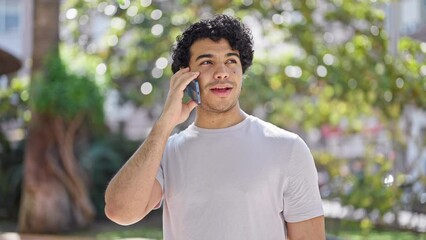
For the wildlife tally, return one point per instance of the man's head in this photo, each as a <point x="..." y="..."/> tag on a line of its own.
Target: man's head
<point x="219" y="27"/>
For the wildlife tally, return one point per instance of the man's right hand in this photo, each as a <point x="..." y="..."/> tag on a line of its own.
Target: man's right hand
<point x="175" y="111"/>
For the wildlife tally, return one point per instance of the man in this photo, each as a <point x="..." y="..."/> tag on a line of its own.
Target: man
<point x="229" y="175"/>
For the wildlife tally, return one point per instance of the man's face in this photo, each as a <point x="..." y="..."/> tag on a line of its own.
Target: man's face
<point x="220" y="76"/>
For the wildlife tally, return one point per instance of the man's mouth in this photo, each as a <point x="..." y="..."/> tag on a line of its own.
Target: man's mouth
<point x="221" y="91"/>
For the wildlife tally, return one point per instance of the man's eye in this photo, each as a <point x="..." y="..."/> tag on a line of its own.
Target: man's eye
<point x="206" y="63"/>
<point x="231" y="61"/>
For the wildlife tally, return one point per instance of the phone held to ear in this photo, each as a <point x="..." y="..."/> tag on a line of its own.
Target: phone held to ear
<point x="193" y="91"/>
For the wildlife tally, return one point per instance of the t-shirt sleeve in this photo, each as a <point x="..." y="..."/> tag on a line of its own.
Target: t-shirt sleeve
<point x="302" y="200"/>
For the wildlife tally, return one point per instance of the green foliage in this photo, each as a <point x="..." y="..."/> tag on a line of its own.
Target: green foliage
<point x="56" y="92"/>
<point x="13" y="111"/>
<point x="11" y="163"/>
<point x="14" y="99"/>
<point x="368" y="189"/>
<point x="101" y="161"/>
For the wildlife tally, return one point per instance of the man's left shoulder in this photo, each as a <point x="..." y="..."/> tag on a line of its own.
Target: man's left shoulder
<point x="271" y="130"/>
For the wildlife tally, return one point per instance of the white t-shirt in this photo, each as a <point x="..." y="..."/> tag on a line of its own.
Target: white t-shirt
<point x="240" y="182"/>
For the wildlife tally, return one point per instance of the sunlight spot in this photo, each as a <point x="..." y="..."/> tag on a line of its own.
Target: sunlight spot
<point x="118" y="23"/>
<point x="157" y="73"/>
<point x="388" y="96"/>
<point x="229" y="11"/>
<point x="179" y="20"/>
<point x="112" y="40"/>
<point x="101" y="6"/>
<point x="423" y="46"/>
<point x="423" y="70"/>
<point x="374" y="30"/>
<point x="138" y="19"/>
<point x="321" y="71"/>
<point x="125" y="5"/>
<point x="286" y="17"/>
<point x="247" y="2"/>
<point x="278" y="19"/>
<point x="399" y="82"/>
<point x="388" y="181"/>
<point x="293" y="71"/>
<point x="161" y="63"/>
<point x="146" y="88"/>
<point x="156" y="14"/>
<point x="101" y="69"/>
<point x="146" y="3"/>
<point x="157" y="29"/>
<point x="71" y="13"/>
<point x="110" y="10"/>
<point x="328" y="59"/>
<point x="132" y="11"/>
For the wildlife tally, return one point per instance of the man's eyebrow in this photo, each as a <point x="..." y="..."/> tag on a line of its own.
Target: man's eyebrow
<point x="233" y="54"/>
<point x="209" y="55"/>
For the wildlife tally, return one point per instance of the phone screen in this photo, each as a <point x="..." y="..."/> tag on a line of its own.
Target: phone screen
<point x="193" y="91"/>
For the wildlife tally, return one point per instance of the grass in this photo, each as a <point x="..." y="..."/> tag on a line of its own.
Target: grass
<point x="343" y="234"/>
<point x="146" y="233"/>
<point x="346" y="230"/>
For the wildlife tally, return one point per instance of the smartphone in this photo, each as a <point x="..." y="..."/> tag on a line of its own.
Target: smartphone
<point x="193" y="91"/>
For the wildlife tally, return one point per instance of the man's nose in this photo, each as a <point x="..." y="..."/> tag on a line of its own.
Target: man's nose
<point x="221" y="72"/>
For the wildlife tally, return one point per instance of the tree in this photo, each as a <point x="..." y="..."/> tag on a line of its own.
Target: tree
<point x="54" y="194"/>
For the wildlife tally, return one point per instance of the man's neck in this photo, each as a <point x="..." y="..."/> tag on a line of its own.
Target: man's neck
<point x="214" y="120"/>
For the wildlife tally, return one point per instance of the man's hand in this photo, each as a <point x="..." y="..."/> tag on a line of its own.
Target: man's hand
<point x="175" y="111"/>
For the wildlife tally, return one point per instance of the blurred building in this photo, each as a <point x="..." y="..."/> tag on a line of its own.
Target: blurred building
<point x="16" y="30"/>
<point x="405" y="18"/>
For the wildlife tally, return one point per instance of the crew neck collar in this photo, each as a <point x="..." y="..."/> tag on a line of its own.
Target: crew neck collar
<point x="235" y="127"/>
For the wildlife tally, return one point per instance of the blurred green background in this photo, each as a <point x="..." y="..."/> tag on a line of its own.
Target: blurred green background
<point x="348" y="76"/>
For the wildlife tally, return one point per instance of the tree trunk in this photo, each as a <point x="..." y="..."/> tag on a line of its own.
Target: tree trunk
<point x="54" y="195"/>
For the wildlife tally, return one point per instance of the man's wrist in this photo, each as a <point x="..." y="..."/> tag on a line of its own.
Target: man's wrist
<point x="163" y="126"/>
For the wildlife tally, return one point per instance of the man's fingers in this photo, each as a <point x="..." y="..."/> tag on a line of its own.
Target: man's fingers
<point x="182" y="78"/>
<point x="190" y="105"/>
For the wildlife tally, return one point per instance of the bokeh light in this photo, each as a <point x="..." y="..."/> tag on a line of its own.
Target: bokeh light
<point x="157" y="29"/>
<point x="156" y="14"/>
<point x="146" y="3"/>
<point x="321" y="71"/>
<point x="71" y="13"/>
<point x="146" y="88"/>
<point x="110" y="10"/>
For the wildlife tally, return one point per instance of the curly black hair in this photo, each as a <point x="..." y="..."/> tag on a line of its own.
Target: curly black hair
<point x="221" y="26"/>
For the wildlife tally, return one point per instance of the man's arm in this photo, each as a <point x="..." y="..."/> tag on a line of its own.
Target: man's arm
<point x="134" y="191"/>
<point x="312" y="229"/>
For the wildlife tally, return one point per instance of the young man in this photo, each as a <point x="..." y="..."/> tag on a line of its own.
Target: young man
<point x="229" y="175"/>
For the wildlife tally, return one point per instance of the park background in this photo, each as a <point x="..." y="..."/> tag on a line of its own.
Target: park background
<point x="82" y="82"/>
